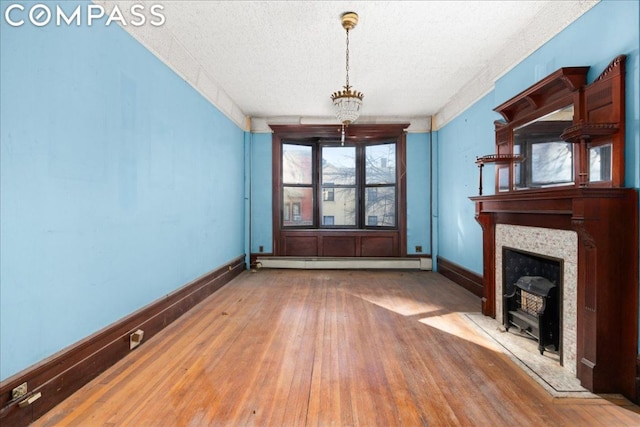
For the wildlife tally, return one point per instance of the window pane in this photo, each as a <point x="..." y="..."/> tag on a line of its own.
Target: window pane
<point x="296" y="164"/>
<point x="339" y="165"/>
<point x="297" y="206"/>
<point x="342" y="209"/>
<point x="381" y="164"/>
<point x="380" y="202"/>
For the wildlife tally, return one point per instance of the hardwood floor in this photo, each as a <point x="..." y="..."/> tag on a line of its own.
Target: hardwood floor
<point x="326" y="348"/>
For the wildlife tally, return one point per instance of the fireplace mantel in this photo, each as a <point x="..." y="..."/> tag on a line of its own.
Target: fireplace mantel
<point x="606" y="222"/>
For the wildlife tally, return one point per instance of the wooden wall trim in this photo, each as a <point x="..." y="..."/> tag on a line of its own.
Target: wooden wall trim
<point x="60" y="375"/>
<point x="460" y="275"/>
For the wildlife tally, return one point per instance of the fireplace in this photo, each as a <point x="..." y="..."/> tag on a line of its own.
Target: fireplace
<point x="532" y="296"/>
<point x="594" y="232"/>
<point x="590" y="221"/>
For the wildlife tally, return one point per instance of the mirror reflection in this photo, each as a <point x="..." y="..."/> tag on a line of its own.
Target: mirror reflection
<point x="600" y="163"/>
<point x="548" y="160"/>
<point x="503" y="179"/>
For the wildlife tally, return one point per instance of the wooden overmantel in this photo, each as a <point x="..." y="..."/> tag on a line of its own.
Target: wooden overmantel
<point x="606" y="222"/>
<point x="596" y="206"/>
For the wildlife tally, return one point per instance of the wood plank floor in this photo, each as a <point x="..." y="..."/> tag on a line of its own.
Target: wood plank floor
<point x="326" y="348"/>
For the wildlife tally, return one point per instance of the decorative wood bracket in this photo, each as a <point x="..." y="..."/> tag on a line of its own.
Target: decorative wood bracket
<point x="617" y="64"/>
<point x="588" y="131"/>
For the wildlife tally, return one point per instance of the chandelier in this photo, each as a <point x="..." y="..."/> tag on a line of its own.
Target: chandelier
<point x="347" y="102"/>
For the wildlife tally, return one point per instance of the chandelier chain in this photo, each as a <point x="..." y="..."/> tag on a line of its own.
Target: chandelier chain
<point x="347" y="61"/>
<point x="347" y="102"/>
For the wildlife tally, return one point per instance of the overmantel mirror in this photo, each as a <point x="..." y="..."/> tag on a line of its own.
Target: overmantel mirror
<point x="562" y="133"/>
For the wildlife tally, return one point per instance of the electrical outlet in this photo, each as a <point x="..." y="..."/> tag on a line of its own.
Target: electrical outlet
<point x="261" y="249"/>
<point x="418" y="248"/>
<point x="19" y="391"/>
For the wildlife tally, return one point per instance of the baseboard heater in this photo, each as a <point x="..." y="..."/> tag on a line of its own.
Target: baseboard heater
<point x="350" y="263"/>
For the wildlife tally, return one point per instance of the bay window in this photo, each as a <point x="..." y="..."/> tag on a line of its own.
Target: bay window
<point x="339" y="200"/>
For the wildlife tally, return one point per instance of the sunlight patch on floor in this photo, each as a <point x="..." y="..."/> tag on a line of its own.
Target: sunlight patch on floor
<point x="452" y="323"/>
<point x="400" y="305"/>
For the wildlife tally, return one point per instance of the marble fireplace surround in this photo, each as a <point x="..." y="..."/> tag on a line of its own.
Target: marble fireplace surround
<point x="562" y="244"/>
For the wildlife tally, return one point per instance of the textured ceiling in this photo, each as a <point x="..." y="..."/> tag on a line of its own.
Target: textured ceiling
<point x="281" y="60"/>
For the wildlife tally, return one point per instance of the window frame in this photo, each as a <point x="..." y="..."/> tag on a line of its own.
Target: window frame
<point x="368" y="240"/>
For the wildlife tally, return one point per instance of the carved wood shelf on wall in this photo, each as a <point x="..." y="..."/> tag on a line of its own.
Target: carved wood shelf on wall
<point x="588" y="131"/>
<point x="547" y="92"/>
<point x="497" y="159"/>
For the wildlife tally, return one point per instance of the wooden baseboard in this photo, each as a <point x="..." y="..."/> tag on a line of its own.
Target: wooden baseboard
<point x="463" y="277"/>
<point x="60" y="375"/>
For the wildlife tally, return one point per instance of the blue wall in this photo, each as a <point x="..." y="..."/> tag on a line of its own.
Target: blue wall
<point x="418" y="192"/>
<point x="470" y="135"/>
<point x="119" y="184"/>
<point x="610" y="28"/>
<point x="261" y="200"/>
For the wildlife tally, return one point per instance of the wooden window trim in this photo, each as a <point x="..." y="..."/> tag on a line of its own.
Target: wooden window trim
<point x="356" y="133"/>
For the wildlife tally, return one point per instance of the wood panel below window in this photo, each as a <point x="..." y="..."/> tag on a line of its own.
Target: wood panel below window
<point x="340" y="243"/>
